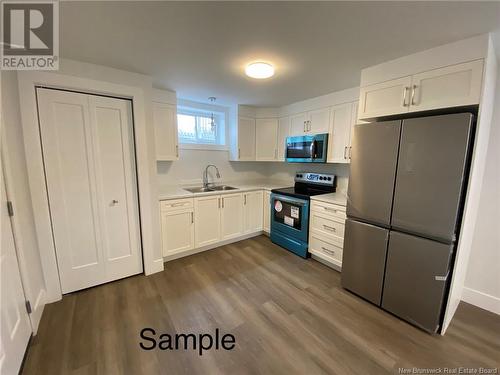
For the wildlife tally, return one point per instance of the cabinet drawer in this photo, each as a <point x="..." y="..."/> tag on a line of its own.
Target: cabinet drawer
<point x="176" y="204"/>
<point x="328" y="225"/>
<point x="334" y="210"/>
<point x="326" y="248"/>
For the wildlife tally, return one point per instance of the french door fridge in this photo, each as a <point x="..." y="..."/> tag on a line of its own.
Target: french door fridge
<point x="405" y="194"/>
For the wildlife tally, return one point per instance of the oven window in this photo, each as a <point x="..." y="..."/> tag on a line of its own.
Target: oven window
<point x="287" y="213"/>
<point x="299" y="150"/>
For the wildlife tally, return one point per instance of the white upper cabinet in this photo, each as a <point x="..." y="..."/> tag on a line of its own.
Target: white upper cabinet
<point x="384" y="99"/>
<point x="312" y="122"/>
<point x="340" y="133"/>
<point x="231" y="215"/>
<point x="165" y="126"/>
<point x="246" y="139"/>
<point x="452" y="86"/>
<point x="318" y="121"/>
<point x="298" y="124"/>
<point x="266" y="139"/>
<point x="283" y="132"/>
<point x="252" y="209"/>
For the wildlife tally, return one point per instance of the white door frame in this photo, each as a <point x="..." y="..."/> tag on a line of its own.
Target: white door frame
<point x="145" y="156"/>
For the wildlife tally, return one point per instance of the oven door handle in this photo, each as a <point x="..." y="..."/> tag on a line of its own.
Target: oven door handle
<point x="284" y="198"/>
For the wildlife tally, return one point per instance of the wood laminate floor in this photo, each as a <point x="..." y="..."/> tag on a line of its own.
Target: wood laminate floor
<point x="289" y="316"/>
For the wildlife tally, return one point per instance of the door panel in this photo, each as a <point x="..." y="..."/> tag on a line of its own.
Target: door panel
<point x="252" y="204"/>
<point x="319" y="121"/>
<point x="363" y="264"/>
<point x="297" y="124"/>
<point x="88" y="149"/>
<point x="207" y="220"/>
<point x="266" y="139"/>
<point x="246" y="138"/>
<point x="71" y="182"/>
<point x="384" y="99"/>
<point x="15" y="326"/>
<point x="415" y="279"/>
<point x="451" y="86"/>
<point x="372" y="173"/>
<point x="117" y="188"/>
<point x="231" y="216"/>
<point x="165" y="124"/>
<point x="341" y="127"/>
<point x="177" y="228"/>
<point x="430" y="175"/>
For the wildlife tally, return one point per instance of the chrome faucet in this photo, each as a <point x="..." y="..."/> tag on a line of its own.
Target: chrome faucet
<point x="205" y="174"/>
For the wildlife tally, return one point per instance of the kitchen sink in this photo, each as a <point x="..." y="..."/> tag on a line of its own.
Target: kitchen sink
<point x="201" y="189"/>
<point x="222" y="187"/>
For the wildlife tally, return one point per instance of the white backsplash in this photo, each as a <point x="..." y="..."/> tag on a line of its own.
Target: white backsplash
<point x="189" y="168"/>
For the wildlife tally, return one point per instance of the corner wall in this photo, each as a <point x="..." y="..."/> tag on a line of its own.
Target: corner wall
<point x="482" y="284"/>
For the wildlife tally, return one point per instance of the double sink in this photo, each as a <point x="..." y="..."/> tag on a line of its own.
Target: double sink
<point x="203" y="189"/>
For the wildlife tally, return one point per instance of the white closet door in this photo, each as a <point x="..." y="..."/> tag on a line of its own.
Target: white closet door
<point x="16" y="329"/>
<point x="66" y="139"/>
<point x="89" y="161"/>
<point x="113" y="147"/>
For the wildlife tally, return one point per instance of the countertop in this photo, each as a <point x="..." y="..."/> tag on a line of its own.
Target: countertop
<point x="335" y="198"/>
<point x="175" y="191"/>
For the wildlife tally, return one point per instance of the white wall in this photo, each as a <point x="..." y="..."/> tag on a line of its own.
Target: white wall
<point x="19" y="193"/>
<point x="189" y="168"/>
<point x="482" y="284"/>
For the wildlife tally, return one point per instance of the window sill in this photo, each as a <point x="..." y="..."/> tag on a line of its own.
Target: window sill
<point x="189" y="146"/>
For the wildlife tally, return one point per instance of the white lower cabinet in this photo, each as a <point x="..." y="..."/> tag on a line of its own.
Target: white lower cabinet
<point x="326" y="234"/>
<point x="267" y="211"/>
<point x="207" y="220"/>
<point x="252" y="211"/>
<point x="231" y="216"/>
<point x="177" y="231"/>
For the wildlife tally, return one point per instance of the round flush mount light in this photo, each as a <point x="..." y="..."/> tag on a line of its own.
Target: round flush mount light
<point x="259" y="70"/>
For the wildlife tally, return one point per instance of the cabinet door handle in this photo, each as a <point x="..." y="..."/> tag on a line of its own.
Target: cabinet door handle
<point x="218" y="202"/>
<point x="350" y="152"/>
<point x="327" y="227"/>
<point x="239" y="153"/>
<point x="177" y="150"/>
<point x="222" y="202"/>
<point x="192" y="217"/>
<point x="345" y="152"/>
<point x="414" y="89"/>
<point x="245" y="199"/>
<point x="305" y="126"/>
<point x="405" y="94"/>
<point x="328" y="250"/>
<point x="330" y="209"/>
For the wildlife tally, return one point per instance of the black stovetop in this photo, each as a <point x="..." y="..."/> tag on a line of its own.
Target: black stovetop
<point x="304" y="191"/>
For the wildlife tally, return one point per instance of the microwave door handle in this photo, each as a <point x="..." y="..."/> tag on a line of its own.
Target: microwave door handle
<point x="313" y="149"/>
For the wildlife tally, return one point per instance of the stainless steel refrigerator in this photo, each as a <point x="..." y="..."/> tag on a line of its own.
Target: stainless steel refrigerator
<point x="405" y="195"/>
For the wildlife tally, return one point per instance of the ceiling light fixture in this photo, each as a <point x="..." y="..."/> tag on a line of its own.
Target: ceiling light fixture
<point x="259" y="70"/>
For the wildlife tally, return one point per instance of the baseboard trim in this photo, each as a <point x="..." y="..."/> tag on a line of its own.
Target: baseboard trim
<point x="482" y="300"/>
<point x="186" y="253"/>
<point x="327" y="263"/>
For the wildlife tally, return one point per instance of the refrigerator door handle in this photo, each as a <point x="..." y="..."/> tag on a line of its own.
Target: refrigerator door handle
<point x="442" y="278"/>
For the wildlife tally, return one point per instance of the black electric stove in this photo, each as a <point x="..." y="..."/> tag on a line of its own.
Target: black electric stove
<point x="309" y="184"/>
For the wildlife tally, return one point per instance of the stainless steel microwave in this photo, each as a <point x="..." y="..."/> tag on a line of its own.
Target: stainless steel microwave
<point x="306" y="148"/>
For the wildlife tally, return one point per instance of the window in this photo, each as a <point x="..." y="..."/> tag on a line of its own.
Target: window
<point x="199" y="125"/>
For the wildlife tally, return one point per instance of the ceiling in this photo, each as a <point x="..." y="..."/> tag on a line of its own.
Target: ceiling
<point x="200" y="49"/>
